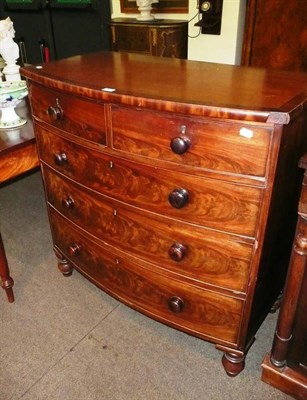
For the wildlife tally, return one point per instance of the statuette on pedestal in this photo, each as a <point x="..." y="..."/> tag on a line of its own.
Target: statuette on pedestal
<point x="145" y="7"/>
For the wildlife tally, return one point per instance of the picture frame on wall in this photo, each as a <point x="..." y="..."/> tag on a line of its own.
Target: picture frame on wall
<point x="164" y="6"/>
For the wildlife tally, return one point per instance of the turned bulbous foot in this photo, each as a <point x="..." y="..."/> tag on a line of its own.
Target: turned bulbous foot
<point x="233" y="363"/>
<point x="65" y="267"/>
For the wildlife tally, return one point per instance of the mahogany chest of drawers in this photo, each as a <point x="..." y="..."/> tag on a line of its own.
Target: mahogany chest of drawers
<point x="172" y="185"/>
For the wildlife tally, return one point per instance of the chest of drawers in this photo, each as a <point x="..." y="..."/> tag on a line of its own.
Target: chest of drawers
<point x="175" y="195"/>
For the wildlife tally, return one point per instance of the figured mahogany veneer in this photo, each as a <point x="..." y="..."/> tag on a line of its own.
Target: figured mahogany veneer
<point x="204" y="313"/>
<point x="172" y="193"/>
<point x="140" y="185"/>
<point x="208" y="148"/>
<point x="82" y="118"/>
<point x="210" y="258"/>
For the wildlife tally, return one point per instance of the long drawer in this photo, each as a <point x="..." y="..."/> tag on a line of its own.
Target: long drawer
<point x="232" y="147"/>
<point x="218" y="205"/>
<point x="71" y="114"/>
<point x="197" y="311"/>
<point x="192" y="252"/>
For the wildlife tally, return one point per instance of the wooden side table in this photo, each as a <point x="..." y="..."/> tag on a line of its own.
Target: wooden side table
<point x="164" y="38"/>
<point x="17" y="156"/>
<point x="286" y="366"/>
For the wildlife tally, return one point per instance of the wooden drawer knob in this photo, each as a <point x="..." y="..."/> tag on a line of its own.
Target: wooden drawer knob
<point x="177" y="252"/>
<point x="180" y="145"/>
<point x="74" y="249"/>
<point x="60" y="158"/>
<point x="68" y="202"/>
<point x="55" y="112"/>
<point x="178" y="198"/>
<point x="176" y="304"/>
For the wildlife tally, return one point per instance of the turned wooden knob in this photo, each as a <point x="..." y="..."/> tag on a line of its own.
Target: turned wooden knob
<point x="55" y="112"/>
<point x="68" y="202"/>
<point x="60" y="158"/>
<point x="180" y="145"/>
<point x="177" y="251"/>
<point x="74" y="249"/>
<point x="176" y="304"/>
<point x="178" y="198"/>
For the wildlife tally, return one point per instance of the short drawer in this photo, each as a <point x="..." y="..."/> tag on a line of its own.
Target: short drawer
<point x="81" y="118"/>
<point x="195" y="310"/>
<point x="192" y="252"/>
<point x="219" y="205"/>
<point x="232" y="147"/>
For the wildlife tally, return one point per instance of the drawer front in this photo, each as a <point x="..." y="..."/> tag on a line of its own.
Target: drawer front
<point x="204" y="143"/>
<point x="219" y="205"/>
<point x="192" y="252"/>
<point x="81" y="118"/>
<point x="195" y="310"/>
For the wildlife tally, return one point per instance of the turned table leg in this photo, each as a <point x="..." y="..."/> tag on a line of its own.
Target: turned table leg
<point x="285" y="323"/>
<point x="6" y="281"/>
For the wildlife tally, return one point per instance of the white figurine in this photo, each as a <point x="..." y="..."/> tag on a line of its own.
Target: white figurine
<point x="145" y="8"/>
<point x="9" y="50"/>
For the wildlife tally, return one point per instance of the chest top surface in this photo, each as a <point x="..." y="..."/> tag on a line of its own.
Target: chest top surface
<point x="199" y="88"/>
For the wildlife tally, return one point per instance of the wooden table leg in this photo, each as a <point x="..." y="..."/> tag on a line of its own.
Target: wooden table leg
<point x="5" y="280"/>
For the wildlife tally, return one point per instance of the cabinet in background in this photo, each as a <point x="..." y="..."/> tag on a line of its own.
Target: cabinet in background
<point x="164" y="38"/>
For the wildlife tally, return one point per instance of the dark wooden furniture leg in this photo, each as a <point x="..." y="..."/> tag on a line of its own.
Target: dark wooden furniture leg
<point x="285" y="367"/>
<point x="63" y="265"/>
<point x="6" y="281"/>
<point x="285" y="323"/>
<point x="18" y="155"/>
<point x="233" y="363"/>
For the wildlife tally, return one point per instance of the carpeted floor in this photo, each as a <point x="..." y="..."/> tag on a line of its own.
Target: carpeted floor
<point x="64" y="339"/>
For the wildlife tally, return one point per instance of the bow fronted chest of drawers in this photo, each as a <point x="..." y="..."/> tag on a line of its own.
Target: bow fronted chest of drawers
<point x="172" y="185"/>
